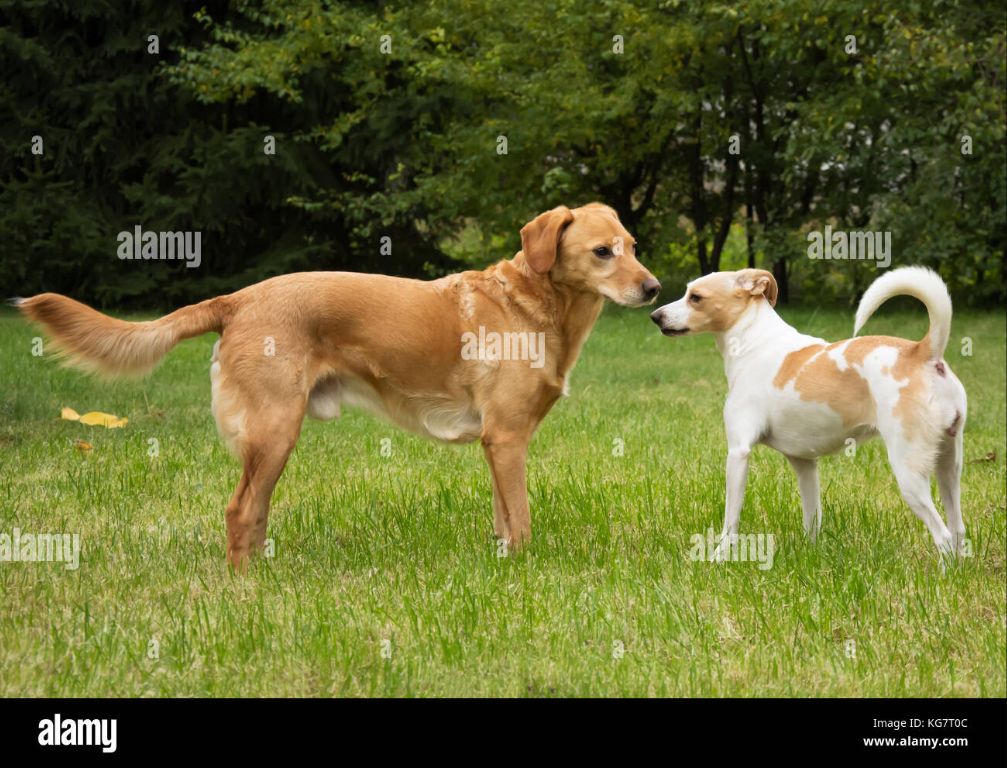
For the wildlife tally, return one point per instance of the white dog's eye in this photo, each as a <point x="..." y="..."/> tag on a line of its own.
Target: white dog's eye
<point x="695" y="298"/>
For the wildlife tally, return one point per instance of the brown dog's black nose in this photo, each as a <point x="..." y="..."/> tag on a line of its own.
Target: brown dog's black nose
<point x="650" y="288"/>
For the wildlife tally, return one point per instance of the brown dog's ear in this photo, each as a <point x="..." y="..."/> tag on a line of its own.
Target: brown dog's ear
<point x="759" y="282"/>
<point x="540" y="238"/>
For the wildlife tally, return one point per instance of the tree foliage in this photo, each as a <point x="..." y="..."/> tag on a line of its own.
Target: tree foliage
<point x="722" y="133"/>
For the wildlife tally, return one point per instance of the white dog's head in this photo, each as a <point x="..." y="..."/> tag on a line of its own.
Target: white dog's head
<point x="715" y="302"/>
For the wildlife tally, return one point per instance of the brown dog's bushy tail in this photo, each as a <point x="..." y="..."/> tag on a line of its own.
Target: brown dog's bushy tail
<point x="110" y="348"/>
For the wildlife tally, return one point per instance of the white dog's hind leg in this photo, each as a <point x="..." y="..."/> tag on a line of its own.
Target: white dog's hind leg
<point x="811" y="500"/>
<point x="949" y="475"/>
<point x="916" y="491"/>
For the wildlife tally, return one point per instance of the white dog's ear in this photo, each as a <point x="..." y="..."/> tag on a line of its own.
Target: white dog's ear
<point x="540" y="237"/>
<point x="759" y="282"/>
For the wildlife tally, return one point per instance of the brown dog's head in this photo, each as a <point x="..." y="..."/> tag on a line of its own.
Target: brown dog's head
<point x="715" y="302"/>
<point x="588" y="249"/>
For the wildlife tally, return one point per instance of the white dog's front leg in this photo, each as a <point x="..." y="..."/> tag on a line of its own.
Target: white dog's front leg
<point x="737" y="478"/>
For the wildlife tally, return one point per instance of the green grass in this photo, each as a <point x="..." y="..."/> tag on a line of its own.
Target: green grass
<point x="371" y="549"/>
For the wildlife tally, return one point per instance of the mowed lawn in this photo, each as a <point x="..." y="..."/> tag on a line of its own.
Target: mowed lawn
<point x="386" y="579"/>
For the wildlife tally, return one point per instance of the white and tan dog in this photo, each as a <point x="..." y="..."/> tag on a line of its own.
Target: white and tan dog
<point x="806" y="397"/>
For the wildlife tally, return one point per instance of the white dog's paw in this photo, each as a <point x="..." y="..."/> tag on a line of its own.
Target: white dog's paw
<point x="963" y="546"/>
<point x="723" y="551"/>
<point x="947" y="556"/>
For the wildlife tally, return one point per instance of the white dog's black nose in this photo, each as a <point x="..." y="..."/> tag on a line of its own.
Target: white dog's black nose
<point x="650" y="288"/>
<point x="656" y="316"/>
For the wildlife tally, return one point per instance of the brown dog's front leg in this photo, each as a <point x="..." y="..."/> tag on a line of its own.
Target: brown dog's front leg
<point x="506" y="455"/>
<point x="501" y="525"/>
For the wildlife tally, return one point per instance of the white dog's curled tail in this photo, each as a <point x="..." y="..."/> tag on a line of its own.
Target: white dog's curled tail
<point x="920" y="283"/>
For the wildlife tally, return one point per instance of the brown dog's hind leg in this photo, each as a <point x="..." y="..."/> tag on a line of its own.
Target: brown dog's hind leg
<point x="238" y="543"/>
<point x="260" y="395"/>
<point x="264" y="453"/>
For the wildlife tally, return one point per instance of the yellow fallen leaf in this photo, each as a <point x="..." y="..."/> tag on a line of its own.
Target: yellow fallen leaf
<point x="83" y="445"/>
<point x="95" y="418"/>
<point x="99" y="419"/>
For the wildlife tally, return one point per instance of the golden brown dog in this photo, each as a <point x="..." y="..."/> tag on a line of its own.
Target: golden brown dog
<point x="312" y="341"/>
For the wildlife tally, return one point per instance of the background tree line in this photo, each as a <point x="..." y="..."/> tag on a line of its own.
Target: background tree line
<point x="721" y="132"/>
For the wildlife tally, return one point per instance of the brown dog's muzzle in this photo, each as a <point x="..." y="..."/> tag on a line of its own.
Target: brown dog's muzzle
<point x="650" y="288"/>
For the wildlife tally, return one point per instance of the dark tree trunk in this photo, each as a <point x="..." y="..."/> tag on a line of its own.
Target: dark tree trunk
<point x="782" y="283"/>
<point x="730" y="183"/>
<point x="704" y="262"/>
<point x="697" y="206"/>
<point x="749" y="221"/>
<point x="727" y="215"/>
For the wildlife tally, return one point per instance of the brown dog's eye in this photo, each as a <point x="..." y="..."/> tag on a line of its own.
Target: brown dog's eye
<point x="603" y="252"/>
<point x="695" y="298"/>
